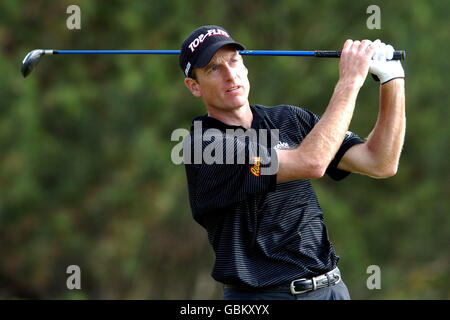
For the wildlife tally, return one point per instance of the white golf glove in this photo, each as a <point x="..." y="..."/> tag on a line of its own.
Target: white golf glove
<point x="382" y="67"/>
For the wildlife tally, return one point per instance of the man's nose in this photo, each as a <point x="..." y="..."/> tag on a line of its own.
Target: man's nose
<point x="230" y="73"/>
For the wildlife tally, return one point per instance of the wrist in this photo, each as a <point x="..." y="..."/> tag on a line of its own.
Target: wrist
<point x="393" y="82"/>
<point x="348" y="85"/>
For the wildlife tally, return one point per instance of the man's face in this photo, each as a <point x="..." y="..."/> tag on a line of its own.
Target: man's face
<point x="223" y="84"/>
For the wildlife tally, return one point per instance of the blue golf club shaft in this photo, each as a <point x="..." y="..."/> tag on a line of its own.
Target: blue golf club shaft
<point x="398" y="55"/>
<point x="243" y="52"/>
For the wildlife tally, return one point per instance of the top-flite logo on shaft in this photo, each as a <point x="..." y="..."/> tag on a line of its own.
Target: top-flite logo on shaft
<point x="211" y="32"/>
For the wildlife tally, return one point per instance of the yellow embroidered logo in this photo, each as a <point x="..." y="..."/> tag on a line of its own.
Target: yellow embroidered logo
<point x="255" y="169"/>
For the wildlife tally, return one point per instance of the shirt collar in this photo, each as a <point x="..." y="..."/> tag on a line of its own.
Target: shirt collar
<point x="210" y="122"/>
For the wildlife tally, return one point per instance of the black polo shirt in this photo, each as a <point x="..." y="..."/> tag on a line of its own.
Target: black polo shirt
<point x="263" y="233"/>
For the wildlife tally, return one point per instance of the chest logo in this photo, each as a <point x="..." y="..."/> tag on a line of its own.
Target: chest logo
<point x="256" y="168"/>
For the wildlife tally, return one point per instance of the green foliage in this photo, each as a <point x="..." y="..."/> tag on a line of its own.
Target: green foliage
<point x="86" y="175"/>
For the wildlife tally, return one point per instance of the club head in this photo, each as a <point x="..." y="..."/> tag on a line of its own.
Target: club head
<point x="31" y="60"/>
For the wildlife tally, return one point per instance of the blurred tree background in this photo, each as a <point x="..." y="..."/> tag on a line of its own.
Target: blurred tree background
<point x="86" y="176"/>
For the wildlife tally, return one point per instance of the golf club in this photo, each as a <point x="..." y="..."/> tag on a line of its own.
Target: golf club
<point x="33" y="57"/>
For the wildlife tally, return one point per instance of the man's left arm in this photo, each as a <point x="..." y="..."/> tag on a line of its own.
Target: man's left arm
<point x="379" y="156"/>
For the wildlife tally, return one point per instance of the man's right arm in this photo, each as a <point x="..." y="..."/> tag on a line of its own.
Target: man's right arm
<point x="317" y="150"/>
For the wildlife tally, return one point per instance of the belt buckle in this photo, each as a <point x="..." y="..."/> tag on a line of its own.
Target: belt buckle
<point x="335" y="275"/>
<point x="292" y="287"/>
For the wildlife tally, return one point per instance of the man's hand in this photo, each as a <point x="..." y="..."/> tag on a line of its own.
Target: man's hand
<point x="355" y="61"/>
<point x="382" y="67"/>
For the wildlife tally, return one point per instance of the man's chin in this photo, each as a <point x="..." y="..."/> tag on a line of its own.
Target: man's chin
<point x="237" y="102"/>
<point x="237" y="105"/>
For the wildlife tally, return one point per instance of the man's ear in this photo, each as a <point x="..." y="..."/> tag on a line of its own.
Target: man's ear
<point x="193" y="86"/>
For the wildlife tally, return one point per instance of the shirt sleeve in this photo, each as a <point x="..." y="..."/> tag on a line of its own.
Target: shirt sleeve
<point x="226" y="171"/>
<point x="307" y="121"/>
<point x="350" y="140"/>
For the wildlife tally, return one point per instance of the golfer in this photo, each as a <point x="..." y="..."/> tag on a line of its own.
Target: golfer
<point x="255" y="199"/>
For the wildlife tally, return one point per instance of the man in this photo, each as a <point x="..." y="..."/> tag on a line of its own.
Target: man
<point x="266" y="228"/>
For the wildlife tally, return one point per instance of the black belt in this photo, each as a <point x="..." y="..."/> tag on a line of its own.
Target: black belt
<point x="299" y="286"/>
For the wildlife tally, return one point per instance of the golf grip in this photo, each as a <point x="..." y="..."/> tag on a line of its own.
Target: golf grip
<point x="398" y="54"/>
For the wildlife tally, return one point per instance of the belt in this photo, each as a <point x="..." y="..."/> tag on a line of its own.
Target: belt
<point x="299" y="286"/>
<point x="325" y="280"/>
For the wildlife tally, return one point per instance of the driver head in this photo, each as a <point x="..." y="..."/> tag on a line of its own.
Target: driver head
<point x="31" y="60"/>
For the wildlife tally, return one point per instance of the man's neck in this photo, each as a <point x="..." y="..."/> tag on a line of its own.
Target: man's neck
<point x="242" y="116"/>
